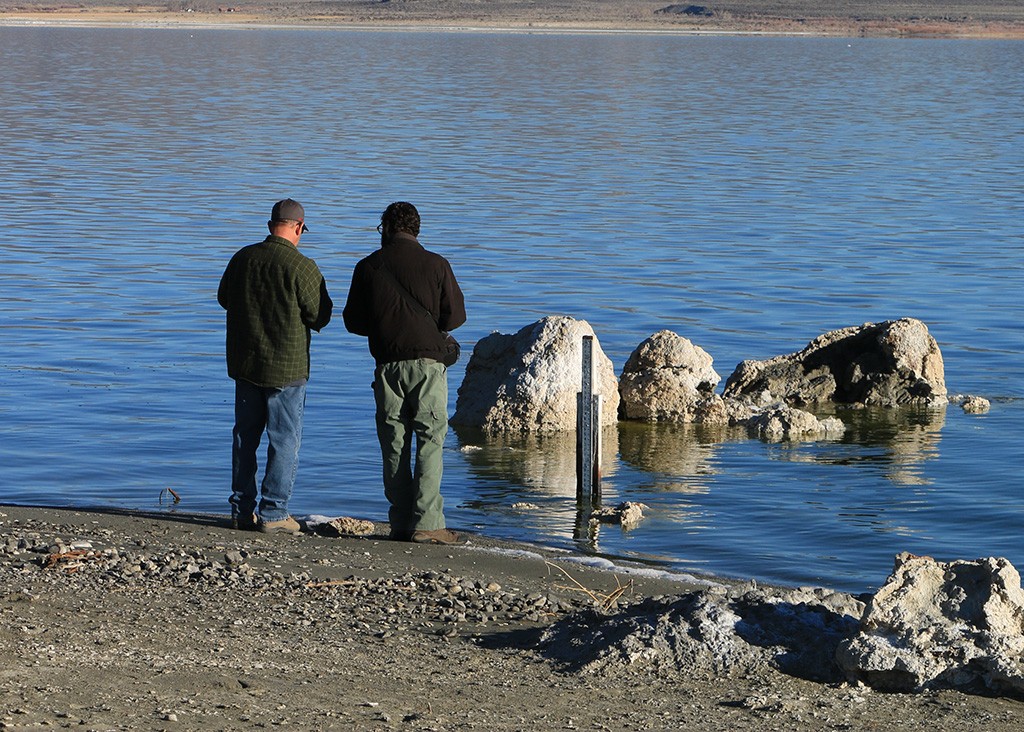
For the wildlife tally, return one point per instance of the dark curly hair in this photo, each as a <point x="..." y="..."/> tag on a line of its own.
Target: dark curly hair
<point x="401" y="216"/>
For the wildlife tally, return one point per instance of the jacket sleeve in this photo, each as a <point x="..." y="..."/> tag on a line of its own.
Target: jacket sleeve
<point x="224" y="289"/>
<point x="357" y="307"/>
<point x="320" y="316"/>
<point x="453" y="305"/>
<point x="315" y="302"/>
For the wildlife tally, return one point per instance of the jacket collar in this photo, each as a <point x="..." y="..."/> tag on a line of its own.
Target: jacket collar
<point x="271" y="239"/>
<point x="400" y="238"/>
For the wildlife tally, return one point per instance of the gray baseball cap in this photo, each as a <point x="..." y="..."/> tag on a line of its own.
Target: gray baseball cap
<point x="289" y="210"/>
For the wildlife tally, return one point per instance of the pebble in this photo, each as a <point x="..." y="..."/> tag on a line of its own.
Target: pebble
<point x="429" y="596"/>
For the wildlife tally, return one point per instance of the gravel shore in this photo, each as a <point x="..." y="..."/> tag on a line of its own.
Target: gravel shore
<point x="127" y="620"/>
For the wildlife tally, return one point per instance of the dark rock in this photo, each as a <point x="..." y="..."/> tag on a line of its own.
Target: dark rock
<point x="700" y="11"/>
<point x="876" y="364"/>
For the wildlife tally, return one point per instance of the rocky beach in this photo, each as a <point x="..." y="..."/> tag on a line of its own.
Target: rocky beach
<point x="130" y="620"/>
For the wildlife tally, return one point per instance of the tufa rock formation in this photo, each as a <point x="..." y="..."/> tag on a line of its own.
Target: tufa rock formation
<point x="528" y="382"/>
<point x="779" y="423"/>
<point x="970" y="403"/>
<point x="343" y="526"/>
<point x="668" y="379"/>
<point x="716" y="631"/>
<point x="877" y="364"/>
<point x="627" y="514"/>
<point x="941" y="625"/>
<point x="932" y="625"/>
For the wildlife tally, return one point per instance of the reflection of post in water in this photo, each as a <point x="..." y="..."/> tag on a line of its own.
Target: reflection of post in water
<point x="588" y="450"/>
<point x="588" y="432"/>
<point x="586" y="531"/>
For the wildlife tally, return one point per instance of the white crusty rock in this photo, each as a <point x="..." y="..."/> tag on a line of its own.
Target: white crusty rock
<point x="669" y="379"/>
<point x="716" y="630"/>
<point x="628" y="514"/>
<point x="779" y="423"/>
<point x="876" y="364"/>
<point x="529" y="381"/>
<point x="970" y="403"/>
<point x="940" y="625"/>
<point x="976" y="405"/>
<point x="344" y="526"/>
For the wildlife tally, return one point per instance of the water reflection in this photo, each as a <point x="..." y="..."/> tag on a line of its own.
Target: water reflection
<point x="689" y="477"/>
<point x="532" y="478"/>
<point x="544" y="463"/>
<point x="682" y="456"/>
<point x="113" y="352"/>
<point x="898" y="441"/>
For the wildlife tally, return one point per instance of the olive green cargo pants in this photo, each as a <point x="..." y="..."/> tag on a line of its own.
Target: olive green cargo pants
<point x="412" y="400"/>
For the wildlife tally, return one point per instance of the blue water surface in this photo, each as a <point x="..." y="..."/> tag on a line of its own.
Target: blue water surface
<point x="746" y="193"/>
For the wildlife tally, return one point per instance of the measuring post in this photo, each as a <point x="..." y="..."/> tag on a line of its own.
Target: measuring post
<point x="588" y="425"/>
<point x="595" y="480"/>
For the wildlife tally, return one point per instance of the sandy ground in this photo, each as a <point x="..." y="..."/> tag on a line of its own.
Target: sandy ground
<point x="129" y="621"/>
<point x="910" y="18"/>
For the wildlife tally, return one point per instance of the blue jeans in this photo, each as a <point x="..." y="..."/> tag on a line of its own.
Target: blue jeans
<point x="278" y="411"/>
<point x="412" y="402"/>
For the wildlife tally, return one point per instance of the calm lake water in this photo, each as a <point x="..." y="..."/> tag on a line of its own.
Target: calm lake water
<point x="746" y="193"/>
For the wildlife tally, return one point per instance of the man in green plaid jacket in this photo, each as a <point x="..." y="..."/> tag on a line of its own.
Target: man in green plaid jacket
<point x="274" y="296"/>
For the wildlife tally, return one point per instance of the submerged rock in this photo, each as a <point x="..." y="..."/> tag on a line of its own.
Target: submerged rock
<point x="786" y="423"/>
<point x="628" y="514"/>
<point x="976" y="405"/>
<point x="970" y="403"/>
<point x="528" y="382"/>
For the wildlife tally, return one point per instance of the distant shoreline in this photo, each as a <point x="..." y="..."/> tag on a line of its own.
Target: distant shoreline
<point x="508" y="22"/>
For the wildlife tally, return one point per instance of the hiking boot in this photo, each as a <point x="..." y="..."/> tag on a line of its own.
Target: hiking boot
<point x="287" y="525"/>
<point x="438" y="536"/>
<point x="400" y="535"/>
<point x="244" y="523"/>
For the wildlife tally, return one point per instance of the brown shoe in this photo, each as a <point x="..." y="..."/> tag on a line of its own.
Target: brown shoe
<point x="286" y="525"/>
<point x="438" y="536"/>
<point x="244" y="523"/>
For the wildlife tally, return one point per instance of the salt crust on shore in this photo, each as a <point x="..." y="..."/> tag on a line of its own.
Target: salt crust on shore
<point x="195" y="626"/>
<point x="950" y="20"/>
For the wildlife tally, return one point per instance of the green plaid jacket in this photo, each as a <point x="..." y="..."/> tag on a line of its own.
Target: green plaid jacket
<point x="274" y="295"/>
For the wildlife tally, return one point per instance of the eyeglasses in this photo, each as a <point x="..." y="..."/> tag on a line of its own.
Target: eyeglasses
<point x="380" y="228"/>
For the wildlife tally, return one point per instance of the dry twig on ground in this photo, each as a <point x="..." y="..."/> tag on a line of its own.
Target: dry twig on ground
<point x="604" y="601"/>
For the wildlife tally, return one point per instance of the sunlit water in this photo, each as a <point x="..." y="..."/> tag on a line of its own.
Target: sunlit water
<point x="746" y="193"/>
